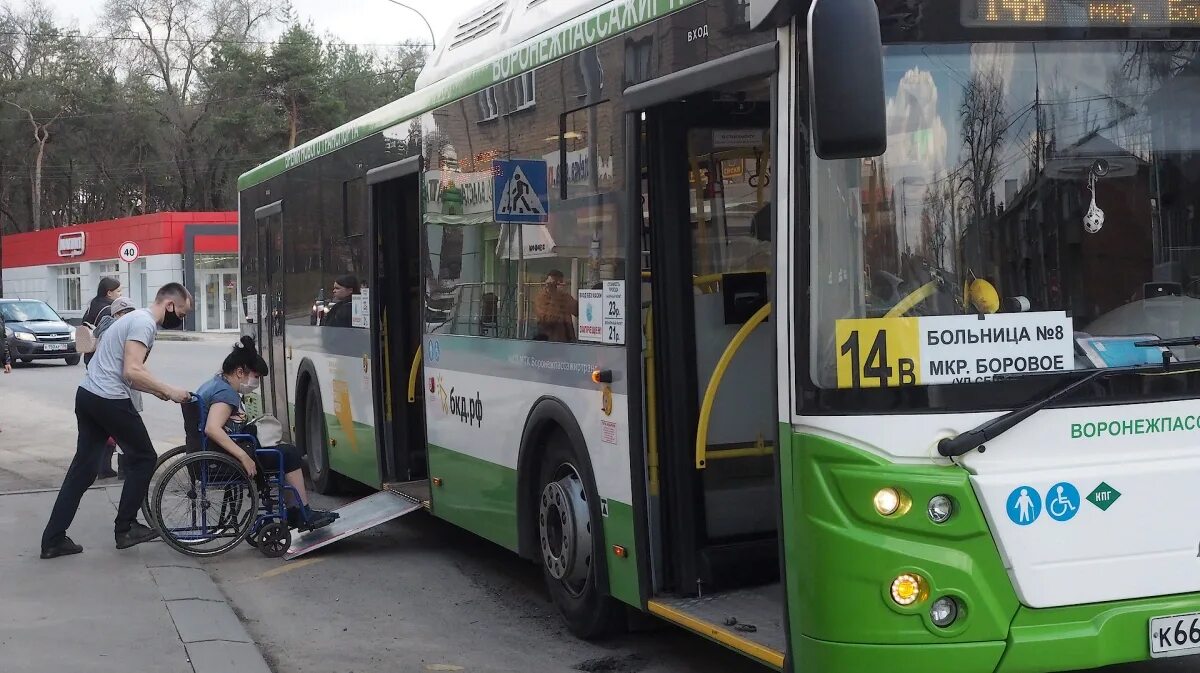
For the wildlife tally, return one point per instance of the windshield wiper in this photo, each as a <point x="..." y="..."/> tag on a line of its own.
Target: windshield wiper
<point x="41" y="320"/>
<point x="1170" y="343"/>
<point x="952" y="447"/>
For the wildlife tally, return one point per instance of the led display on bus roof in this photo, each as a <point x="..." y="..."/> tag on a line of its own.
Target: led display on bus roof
<point x="1081" y="13"/>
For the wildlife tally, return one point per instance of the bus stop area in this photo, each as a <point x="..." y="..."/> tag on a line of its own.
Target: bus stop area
<point x="146" y="608"/>
<point x="415" y="594"/>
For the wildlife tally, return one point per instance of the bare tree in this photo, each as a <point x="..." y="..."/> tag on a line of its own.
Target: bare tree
<point x="169" y="43"/>
<point x="41" y="136"/>
<point x="983" y="128"/>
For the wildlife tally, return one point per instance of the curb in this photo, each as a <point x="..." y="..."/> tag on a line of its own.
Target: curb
<point x="214" y="637"/>
<point x="172" y="335"/>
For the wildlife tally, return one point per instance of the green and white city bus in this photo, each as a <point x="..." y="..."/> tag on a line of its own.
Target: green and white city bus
<point x="853" y="335"/>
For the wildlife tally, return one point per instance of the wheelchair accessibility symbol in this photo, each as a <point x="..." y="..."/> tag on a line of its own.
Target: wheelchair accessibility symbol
<point x="1062" y="502"/>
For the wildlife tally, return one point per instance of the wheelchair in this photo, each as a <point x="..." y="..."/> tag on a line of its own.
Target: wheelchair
<point x="203" y="503"/>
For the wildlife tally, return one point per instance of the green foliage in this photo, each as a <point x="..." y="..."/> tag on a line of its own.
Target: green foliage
<point x="166" y="104"/>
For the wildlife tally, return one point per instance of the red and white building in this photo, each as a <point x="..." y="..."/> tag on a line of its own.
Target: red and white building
<point x="63" y="266"/>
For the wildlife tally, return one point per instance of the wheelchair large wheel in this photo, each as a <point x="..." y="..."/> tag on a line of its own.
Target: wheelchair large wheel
<point x="204" y="504"/>
<point x="166" y="458"/>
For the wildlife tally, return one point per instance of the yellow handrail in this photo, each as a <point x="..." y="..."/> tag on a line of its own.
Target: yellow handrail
<point x="751" y="452"/>
<point x="651" y="406"/>
<point x="710" y="277"/>
<point x="915" y="297"/>
<point x="714" y="382"/>
<point x="412" y="376"/>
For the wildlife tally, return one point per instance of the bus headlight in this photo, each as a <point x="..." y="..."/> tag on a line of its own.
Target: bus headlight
<point x="887" y="501"/>
<point x="906" y="589"/>
<point x="940" y="509"/>
<point x="944" y="612"/>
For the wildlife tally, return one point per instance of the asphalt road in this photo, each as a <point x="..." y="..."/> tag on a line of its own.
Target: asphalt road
<point x="415" y="594"/>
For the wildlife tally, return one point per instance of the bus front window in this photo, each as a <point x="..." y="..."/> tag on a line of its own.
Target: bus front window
<point x="1031" y="184"/>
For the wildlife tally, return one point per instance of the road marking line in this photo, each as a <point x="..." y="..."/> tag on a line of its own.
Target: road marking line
<point x="286" y="569"/>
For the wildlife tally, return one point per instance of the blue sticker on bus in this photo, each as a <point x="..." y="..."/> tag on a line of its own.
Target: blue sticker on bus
<point x="1024" y="505"/>
<point x="521" y="193"/>
<point x="1062" y="501"/>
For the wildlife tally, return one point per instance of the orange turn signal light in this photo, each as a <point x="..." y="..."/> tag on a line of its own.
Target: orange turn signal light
<point x="619" y="551"/>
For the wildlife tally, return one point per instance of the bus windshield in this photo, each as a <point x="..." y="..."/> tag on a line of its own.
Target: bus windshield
<point x="1036" y="210"/>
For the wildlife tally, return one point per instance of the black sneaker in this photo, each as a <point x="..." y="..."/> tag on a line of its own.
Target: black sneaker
<point x="319" y="519"/>
<point x="136" y="534"/>
<point x="64" y="547"/>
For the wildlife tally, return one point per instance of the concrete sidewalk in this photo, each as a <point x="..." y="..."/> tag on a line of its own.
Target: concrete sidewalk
<point x="147" y="608"/>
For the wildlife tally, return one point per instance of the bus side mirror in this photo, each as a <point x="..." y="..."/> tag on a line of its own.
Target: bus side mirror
<point x="845" y="69"/>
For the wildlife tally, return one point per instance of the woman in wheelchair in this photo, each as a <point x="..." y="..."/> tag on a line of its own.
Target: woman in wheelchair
<point x="240" y="373"/>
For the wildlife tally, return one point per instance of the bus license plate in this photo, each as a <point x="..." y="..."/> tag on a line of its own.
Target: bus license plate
<point x="54" y="347"/>
<point x="1175" y="636"/>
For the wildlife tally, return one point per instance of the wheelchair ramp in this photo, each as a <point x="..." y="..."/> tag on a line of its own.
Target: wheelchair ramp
<point x="356" y="517"/>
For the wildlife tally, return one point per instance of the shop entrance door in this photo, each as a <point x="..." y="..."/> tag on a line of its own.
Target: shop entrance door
<point x="218" y="312"/>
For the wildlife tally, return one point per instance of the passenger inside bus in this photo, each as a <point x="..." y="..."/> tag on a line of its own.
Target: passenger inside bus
<point x="339" y="313"/>
<point x="240" y="373"/>
<point x="555" y="309"/>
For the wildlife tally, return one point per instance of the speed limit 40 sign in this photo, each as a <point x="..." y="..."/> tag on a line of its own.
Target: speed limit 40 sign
<point x="129" y="252"/>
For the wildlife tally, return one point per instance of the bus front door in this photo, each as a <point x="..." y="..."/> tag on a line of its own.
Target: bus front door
<point x="712" y="393"/>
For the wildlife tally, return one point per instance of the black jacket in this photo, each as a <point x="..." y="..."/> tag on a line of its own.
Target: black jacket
<point x="96" y="310"/>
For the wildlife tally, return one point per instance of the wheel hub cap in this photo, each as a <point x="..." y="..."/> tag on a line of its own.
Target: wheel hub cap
<point x="564" y="528"/>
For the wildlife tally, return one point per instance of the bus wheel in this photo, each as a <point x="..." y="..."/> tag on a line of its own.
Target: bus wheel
<point x="316" y="445"/>
<point x="568" y="548"/>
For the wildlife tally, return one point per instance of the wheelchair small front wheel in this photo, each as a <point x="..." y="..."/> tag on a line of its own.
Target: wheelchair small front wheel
<point x="274" y="539"/>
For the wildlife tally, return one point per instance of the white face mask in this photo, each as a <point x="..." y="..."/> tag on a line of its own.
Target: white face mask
<point x="250" y="385"/>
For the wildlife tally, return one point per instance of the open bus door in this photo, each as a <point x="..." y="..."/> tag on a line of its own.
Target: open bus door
<point x="395" y="204"/>
<point x="711" y="355"/>
<point x="271" y="312"/>
<point x="396" y="329"/>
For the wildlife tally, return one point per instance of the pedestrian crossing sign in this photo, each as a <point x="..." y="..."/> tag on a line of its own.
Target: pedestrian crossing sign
<point x="521" y="191"/>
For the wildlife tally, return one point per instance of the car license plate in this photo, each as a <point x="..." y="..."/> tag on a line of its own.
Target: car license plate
<point x="1175" y="636"/>
<point x="54" y="347"/>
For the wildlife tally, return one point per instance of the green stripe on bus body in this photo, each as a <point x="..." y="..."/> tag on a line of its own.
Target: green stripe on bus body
<point x="481" y="497"/>
<point x="475" y="495"/>
<point x="622" y="572"/>
<point x="353" y="454"/>
<point x="841" y="553"/>
<point x="1088" y="636"/>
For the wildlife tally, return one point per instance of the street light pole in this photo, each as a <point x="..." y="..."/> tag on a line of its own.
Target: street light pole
<point x="432" y="36"/>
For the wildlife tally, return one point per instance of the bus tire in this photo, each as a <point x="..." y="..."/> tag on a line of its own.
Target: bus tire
<point x="316" y="445"/>
<point x="566" y="507"/>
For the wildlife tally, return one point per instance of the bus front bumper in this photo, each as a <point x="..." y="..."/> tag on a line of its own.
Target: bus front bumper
<point x="1040" y="641"/>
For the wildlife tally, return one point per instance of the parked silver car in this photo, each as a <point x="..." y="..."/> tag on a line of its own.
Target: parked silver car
<point x="36" y="332"/>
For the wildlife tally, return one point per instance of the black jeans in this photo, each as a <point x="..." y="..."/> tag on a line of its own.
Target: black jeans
<point x="99" y="419"/>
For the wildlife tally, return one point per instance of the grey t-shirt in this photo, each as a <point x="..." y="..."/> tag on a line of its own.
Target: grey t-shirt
<point x="106" y="372"/>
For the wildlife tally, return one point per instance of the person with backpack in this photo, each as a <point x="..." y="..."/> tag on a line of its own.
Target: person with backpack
<point x="120" y="307"/>
<point x="108" y="291"/>
<point x="104" y="408"/>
